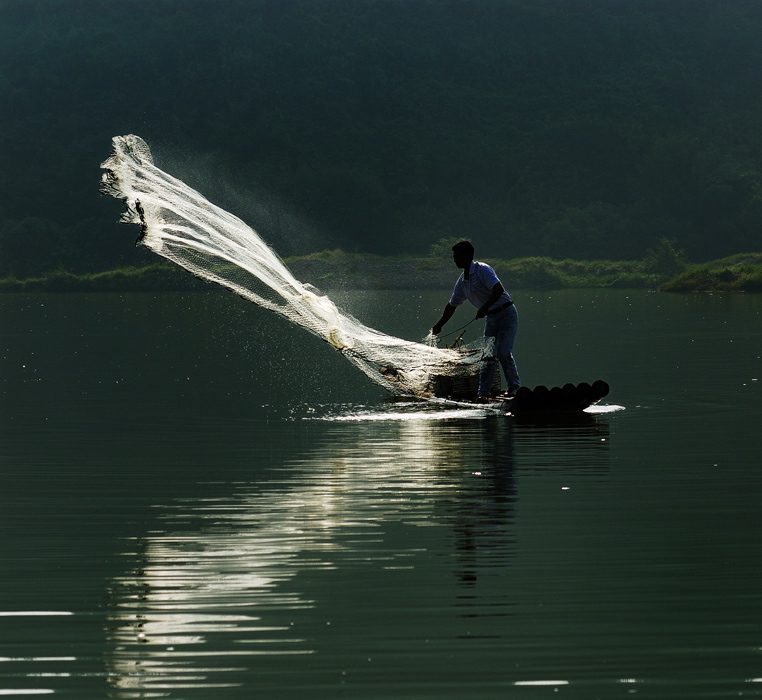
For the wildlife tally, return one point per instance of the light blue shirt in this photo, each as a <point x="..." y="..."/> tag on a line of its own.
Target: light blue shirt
<point x="478" y="287"/>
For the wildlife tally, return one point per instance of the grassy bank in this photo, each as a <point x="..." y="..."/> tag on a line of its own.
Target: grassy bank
<point x="738" y="273"/>
<point x="158" y="277"/>
<point x="337" y="269"/>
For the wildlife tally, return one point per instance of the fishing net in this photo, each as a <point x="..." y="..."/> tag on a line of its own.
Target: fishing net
<point x="179" y="224"/>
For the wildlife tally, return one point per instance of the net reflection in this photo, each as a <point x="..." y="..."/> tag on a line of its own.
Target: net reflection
<point x="228" y="589"/>
<point x="220" y="580"/>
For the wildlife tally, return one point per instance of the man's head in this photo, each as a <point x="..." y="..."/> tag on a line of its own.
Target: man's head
<point x="462" y="254"/>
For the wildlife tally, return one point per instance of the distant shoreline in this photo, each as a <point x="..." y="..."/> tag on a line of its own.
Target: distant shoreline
<point x="330" y="270"/>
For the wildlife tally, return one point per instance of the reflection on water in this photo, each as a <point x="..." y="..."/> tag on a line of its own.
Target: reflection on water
<point x="230" y="584"/>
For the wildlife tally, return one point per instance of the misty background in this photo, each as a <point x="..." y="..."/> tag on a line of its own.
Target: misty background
<point x="561" y="128"/>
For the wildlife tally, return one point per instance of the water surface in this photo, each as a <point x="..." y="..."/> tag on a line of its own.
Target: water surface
<point x="199" y="500"/>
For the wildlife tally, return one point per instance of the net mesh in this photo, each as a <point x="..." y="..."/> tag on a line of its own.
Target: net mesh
<point x="179" y="224"/>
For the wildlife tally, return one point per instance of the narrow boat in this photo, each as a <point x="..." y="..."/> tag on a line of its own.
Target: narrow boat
<point x="569" y="398"/>
<point x="566" y="398"/>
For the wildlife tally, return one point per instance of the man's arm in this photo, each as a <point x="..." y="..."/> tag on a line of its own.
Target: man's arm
<point x="495" y="294"/>
<point x="446" y="316"/>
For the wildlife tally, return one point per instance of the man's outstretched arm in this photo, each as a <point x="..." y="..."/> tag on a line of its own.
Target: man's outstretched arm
<point x="446" y="316"/>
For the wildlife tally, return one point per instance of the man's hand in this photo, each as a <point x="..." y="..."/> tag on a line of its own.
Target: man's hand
<point x="436" y="330"/>
<point x="481" y="312"/>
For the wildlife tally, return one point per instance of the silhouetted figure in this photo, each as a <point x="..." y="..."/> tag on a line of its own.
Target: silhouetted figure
<point x="480" y="285"/>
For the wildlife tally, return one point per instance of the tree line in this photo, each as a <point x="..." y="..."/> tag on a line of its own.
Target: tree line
<point x="564" y="128"/>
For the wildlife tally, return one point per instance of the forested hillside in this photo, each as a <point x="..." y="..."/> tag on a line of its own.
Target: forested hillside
<point x="562" y="128"/>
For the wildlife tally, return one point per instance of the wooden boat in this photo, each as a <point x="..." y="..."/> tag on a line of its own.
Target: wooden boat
<point x="569" y="398"/>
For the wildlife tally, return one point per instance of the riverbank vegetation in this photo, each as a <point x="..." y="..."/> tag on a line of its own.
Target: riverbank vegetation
<point x="737" y="273"/>
<point x="664" y="268"/>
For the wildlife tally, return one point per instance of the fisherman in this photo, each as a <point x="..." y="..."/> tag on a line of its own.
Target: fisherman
<point x="479" y="284"/>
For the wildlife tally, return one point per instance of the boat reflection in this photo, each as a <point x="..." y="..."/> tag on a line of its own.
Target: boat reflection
<point x="575" y="443"/>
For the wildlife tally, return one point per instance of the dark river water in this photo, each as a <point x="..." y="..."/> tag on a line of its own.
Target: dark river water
<point x="198" y="500"/>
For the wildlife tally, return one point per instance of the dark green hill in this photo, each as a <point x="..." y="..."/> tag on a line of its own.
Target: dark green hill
<point x="556" y="128"/>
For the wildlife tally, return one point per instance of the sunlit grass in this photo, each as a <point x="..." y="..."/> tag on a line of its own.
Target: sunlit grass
<point x="336" y="268"/>
<point x="737" y="273"/>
